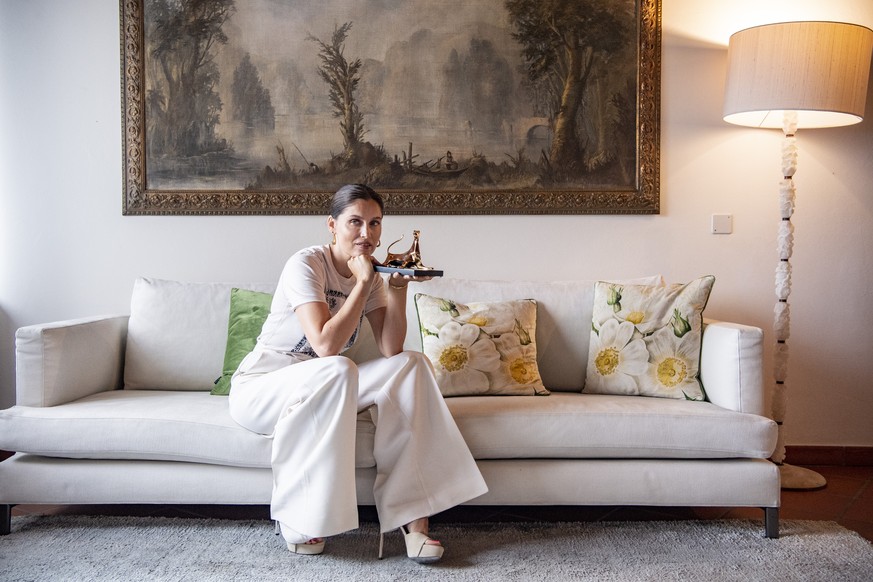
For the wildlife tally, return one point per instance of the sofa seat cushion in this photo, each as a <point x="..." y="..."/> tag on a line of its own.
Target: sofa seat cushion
<point x="148" y="425"/>
<point x="196" y="427"/>
<point x="567" y="425"/>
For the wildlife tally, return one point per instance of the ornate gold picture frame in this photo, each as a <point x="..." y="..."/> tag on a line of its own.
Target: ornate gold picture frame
<point x="475" y="107"/>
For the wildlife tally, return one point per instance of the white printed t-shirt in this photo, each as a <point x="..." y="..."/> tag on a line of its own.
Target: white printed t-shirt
<point x="310" y="276"/>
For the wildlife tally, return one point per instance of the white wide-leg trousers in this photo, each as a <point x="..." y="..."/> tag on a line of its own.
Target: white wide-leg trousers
<point x="423" y="465"/>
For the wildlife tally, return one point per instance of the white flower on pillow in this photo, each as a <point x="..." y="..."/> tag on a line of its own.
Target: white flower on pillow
<point x="461" y="356"/>
<point x="617" y="358"/>
<point x="672" y="369"/>
<point x="495" y="321"/>
<point x="448" y="310"/>
<point x="518" y="364"/>
<point x="642" y="311"/>
<point x="438" y="315"/>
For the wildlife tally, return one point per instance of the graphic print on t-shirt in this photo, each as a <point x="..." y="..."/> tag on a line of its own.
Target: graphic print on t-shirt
<point x="332" y="298"/>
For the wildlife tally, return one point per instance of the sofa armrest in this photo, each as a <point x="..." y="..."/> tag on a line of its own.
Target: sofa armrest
<point x="66" y="360"/>
<point x="731" y="366"/>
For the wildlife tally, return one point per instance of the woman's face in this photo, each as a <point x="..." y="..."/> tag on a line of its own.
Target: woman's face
<point x="358" y="229"/>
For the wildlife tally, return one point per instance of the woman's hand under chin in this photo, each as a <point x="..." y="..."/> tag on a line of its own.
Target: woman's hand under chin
<point x="362" y="268"/>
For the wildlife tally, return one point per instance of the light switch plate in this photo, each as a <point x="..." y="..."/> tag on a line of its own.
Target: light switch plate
<point x="722" y="223"/>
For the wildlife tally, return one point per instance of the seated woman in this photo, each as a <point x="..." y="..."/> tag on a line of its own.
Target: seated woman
<point x="296" y="387"/>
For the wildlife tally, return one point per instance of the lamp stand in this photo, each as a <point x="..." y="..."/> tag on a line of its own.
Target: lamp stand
<point x="791" y="477"/>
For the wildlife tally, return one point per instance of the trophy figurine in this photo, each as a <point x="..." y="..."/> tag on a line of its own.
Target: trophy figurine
<point x="408" y="263"/>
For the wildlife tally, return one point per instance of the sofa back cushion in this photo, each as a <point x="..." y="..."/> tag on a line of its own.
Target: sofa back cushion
<point x="177" y="333"/>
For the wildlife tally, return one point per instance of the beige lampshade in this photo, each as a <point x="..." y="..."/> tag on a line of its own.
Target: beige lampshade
<point x="818" y="69"/>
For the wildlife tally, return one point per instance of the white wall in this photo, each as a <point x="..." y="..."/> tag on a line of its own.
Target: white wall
<point x="66" y="251"/>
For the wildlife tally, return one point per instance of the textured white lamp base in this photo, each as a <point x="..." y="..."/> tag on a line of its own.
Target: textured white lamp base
<point x="800" y="478"/>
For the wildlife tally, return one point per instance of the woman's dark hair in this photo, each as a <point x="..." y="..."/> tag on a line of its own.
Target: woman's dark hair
<point x="351" y="192"/>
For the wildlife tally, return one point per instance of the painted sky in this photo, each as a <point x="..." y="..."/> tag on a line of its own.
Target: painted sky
<point x="280" y="27"/>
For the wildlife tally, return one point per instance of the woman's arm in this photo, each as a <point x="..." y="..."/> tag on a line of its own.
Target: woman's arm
<point x="328" y="334"/>
<point x="389" y="322"/>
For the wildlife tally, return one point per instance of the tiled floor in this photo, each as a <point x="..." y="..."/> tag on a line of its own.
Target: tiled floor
<point x="847" y="499"/>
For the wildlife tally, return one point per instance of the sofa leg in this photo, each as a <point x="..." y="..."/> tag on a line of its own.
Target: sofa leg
<point x="5" y="520"/>
<point x="771" y="522"/>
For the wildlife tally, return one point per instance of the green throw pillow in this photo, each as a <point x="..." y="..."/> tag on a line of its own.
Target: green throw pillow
<point x="248" y="312"/>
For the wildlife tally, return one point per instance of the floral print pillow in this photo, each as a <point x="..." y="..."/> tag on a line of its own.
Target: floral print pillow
<point x="645" y="340"/>
<point x="481" y="348"/>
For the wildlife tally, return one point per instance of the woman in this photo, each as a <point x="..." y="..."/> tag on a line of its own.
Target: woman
<point x="296" y="387"/>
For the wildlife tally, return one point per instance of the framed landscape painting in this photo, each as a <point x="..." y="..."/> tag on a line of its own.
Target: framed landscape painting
<point x="444" y="107"/>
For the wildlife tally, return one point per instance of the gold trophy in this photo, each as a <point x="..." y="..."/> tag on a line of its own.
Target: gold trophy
<point x="408" y="263"/>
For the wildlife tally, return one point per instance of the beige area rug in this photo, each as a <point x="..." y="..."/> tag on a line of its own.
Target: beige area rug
<point x="138" y="548"/>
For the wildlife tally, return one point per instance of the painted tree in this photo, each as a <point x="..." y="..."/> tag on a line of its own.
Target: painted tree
<point x="489" y="82"/>
<point x="342" y="78"/>
<point x="183" y="36"/>
<point x="562" y="43"/>
<point x="250" y="100"/>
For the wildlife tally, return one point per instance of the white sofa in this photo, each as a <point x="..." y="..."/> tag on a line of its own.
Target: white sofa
<point x="117" y="409"/>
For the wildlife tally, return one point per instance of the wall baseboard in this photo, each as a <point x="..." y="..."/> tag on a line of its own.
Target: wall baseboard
<point x="829" y="455"/>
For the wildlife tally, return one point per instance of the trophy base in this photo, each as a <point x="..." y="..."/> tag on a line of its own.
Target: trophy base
<point x="410" y="272"/>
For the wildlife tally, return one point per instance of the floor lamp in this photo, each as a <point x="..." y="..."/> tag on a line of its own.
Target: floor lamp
<point x="795" y="75"/>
